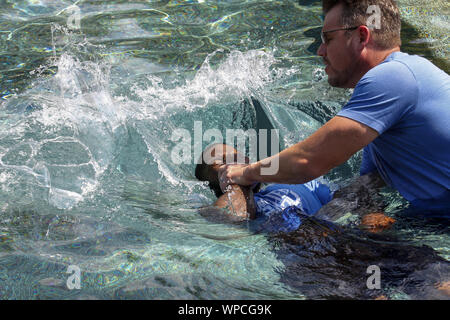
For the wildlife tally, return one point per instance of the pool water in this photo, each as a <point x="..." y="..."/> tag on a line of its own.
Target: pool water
<point x="87" y="177"/>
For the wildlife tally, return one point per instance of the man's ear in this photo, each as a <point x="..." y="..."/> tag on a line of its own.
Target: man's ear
<point x="364" y="36"/>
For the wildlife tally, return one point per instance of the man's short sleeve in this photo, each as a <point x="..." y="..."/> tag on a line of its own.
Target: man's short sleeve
<point x="383" y="96"/>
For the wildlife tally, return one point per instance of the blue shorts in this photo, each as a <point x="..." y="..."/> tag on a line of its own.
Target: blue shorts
<point x="281" y="203"/>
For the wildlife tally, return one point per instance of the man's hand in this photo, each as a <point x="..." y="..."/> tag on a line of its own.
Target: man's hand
<point x="232" y="174"/>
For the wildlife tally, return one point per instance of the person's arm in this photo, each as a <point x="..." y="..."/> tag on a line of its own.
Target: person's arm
<point x="331" y="145"/>
<point x="235" y="205"/>
<point x="238" y="201"/>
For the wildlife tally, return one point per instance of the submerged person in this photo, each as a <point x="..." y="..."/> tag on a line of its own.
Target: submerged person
<point x="399" y="112"/>
<point x="281" y="205"/>
<point x="305" y="244"/>
<point x="241" y="203"/>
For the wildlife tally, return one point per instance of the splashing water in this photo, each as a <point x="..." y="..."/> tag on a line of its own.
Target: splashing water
<point x="86" y="176"/>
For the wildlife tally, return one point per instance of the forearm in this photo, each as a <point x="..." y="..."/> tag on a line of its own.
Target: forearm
<point x="291" y="166"/>
<point x="331" y="145"/>
<point x="238" y="201"/>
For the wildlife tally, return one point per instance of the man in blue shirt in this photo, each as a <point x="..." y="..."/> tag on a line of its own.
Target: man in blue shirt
<point x="399" y="112"/>
<point x="410" y="109"/>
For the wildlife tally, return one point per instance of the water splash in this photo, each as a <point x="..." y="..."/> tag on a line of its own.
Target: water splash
<point x="76" y="127"/>
<point x="238" y="75"/>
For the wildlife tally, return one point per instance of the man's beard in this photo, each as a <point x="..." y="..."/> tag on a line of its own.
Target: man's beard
<point x="340" y="79"/>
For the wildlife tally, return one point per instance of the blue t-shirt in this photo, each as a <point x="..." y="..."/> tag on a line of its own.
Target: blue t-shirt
<point x="406" y="99"/>
<point x="280" y="202"/>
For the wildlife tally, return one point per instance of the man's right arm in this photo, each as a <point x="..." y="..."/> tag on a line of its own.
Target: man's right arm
<point x="331" y="145"/>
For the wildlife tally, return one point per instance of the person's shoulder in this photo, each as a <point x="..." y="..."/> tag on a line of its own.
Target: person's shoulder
<point x="393" y="74"/>
<point x="416" y="64"/>
<point x="394" y="67"/>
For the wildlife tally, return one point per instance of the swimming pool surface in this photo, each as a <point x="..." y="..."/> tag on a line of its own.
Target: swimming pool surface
<point x="87" y="112"/>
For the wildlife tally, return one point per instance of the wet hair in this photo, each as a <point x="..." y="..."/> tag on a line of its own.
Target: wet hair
<point x="355" y="14"/>
<point x="203" y="172"/>
<point x="200" y="171"/>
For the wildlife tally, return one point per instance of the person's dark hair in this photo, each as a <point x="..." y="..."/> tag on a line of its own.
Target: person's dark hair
<point x="355" y="14"/>
<point x="209" y="172"/>
<point x="203" y="172"/>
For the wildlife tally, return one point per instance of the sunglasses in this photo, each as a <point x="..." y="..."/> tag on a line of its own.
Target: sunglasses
<point x="325" y="40"/>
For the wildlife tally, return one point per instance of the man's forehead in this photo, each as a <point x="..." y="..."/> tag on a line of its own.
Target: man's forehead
<point x="333" y="18"/>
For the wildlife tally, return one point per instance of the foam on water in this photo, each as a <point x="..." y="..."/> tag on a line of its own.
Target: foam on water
<point x="72" y="127"/>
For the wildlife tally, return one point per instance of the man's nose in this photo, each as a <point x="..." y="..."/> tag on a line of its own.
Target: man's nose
<point x="322" y="50"/>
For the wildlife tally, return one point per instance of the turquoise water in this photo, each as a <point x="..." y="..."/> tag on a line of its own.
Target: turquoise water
<point x="86" y="176"/>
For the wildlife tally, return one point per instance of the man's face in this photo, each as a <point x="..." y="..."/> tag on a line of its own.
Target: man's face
<point x="338" y="54"/>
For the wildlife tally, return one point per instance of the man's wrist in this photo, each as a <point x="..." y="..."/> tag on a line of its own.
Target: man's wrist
<point x="250" y="173"/>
